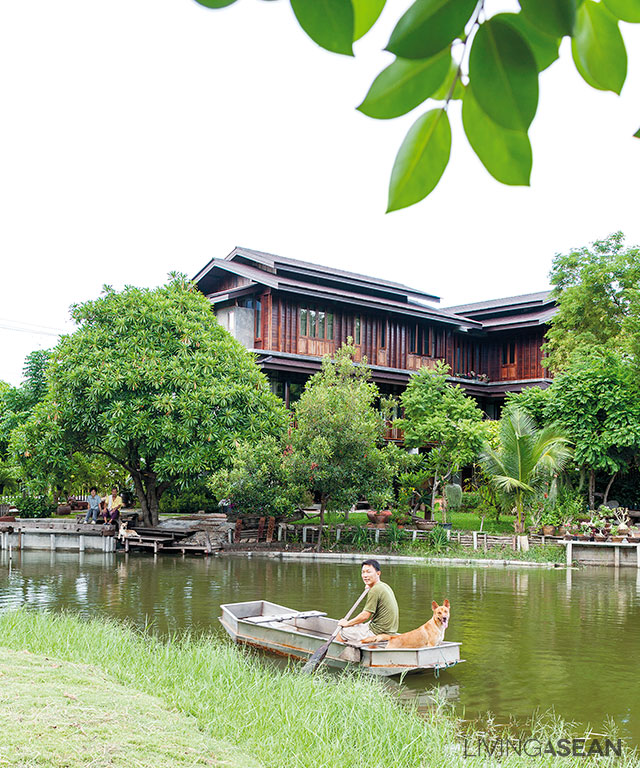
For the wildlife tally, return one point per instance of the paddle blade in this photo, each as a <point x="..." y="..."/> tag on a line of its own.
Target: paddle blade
<point x="316" y="658"/>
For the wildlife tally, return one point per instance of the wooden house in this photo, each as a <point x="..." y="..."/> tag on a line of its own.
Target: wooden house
<point x="291" y="313"/>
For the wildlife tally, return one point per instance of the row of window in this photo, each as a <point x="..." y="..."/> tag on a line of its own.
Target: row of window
<point x="316" y="324"/>
<point x="423" y="340"/>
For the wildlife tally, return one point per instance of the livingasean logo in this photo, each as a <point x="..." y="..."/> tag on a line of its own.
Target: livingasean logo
<point x="498" y="748"/>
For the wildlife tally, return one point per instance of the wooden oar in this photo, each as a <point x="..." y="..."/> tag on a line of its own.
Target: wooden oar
<point x="317" y="656"/>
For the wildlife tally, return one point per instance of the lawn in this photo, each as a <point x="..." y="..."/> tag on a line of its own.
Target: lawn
<point x="463" y="521"/>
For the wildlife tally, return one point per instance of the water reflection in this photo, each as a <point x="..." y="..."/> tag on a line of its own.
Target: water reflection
<point x="533" y="639"/>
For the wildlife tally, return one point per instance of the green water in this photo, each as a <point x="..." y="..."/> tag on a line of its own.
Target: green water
<point x="534" y="639"/>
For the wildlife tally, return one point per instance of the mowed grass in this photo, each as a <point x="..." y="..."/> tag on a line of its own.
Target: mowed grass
<point x="60" y="714"/>
<point x="463" y="521"/>
<point x="278" y="718"/>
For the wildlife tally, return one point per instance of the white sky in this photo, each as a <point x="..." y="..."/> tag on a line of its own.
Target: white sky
<point x="143" y="136"/>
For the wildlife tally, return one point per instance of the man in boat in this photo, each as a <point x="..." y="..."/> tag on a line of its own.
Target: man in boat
<point x="380" y="613"/>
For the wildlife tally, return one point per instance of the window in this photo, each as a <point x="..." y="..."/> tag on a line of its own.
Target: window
<point x="258" y="318"/>
<point x="255" y="304"/>
<point x="420" y="340"/>
<point x="357" y="330"/>
<point x="383" y="334"/>
<point x="413" y="339"/>
<point x="508" y="353"/>
<point x="316" y="324"/>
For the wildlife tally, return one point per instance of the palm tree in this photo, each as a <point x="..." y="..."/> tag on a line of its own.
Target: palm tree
<point x="526" y="457"/>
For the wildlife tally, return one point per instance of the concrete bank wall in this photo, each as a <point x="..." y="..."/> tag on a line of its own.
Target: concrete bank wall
<point x="56" y="540"/>
<point x="358" y="558"/>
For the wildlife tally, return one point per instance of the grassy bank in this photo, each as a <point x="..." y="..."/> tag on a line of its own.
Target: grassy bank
<point x="536" y="554"/>
<point x="278" y="718"/>
<point x="57" y="713"/>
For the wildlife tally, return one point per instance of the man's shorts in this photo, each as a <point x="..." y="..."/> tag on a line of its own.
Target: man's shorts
<point x="356" y="633"/>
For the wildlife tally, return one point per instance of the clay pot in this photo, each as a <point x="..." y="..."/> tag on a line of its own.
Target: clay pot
<point x="548" y="530"/>
<point x="425" y="525"/>
<point x="64" y="509"/>
<point x="379" y="517"/>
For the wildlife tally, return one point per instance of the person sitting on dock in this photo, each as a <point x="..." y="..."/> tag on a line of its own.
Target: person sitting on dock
<point x="111" y="506"/>
<point x="380" y="609"/>
<point x="93" y="509"/>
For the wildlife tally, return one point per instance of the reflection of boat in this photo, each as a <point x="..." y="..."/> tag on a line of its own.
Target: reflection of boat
<point x="298" y="634"/>
<point x="426" y="698"/>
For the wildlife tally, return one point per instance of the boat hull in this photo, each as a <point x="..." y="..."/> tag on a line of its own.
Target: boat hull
<point x="298" y="637"/>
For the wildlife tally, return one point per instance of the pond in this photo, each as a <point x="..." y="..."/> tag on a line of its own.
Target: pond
<point x="534" y="639"/>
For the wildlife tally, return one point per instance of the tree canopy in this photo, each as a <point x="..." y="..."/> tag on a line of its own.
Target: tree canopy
<point x="596" y="289"/>
<point x="597" y="401"/>
<point x="440" y="418"/>
<point x="151" y="381"/>
<point x="336" y="447"/>
<point x="456" y="50"/>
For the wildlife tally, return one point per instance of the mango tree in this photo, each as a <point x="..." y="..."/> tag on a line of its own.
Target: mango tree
<point x="153" y="383"/>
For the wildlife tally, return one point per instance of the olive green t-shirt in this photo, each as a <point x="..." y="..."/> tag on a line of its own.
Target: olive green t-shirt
<point x="381" y="603"/>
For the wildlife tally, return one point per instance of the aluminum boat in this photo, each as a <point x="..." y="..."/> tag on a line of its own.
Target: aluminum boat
<point x="297" y="634"/>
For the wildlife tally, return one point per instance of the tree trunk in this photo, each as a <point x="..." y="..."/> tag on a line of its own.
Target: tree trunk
<point x="520" y="523"/>
<point x="433" y="493"/>
<point x="608" y="488"/>
<point x="323" y="504"/>
<point x="592" y="489"/>
<point x="148" y="492"/>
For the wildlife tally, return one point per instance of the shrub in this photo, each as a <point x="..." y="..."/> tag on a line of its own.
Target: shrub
<point x="34" y="506"/>
<point x="471" y="500"/>
<point x="453" y="495"/>
<point x="259" y="480"/>
<point x="188" y="501"/>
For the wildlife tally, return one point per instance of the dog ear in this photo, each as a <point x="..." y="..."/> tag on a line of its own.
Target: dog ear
<point x="434" y="605"/>
<point x="446" y="603"/>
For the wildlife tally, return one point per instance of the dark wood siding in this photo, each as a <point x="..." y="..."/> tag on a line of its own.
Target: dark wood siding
<point x="465" y="353"/>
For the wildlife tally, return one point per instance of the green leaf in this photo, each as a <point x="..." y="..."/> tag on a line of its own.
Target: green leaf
<point x="504" y="75"/>
<point x="421" y="160"/>
<point x="403" y="85"/>
<point x="428" y="27"/>
<point x="215" y="3"/>
<point x="625" y="10"/>
<point x="505" y="154"/>
<point x="583" y="72"/>
<point x="599" y="48"/>
<point x="330" y="23"/>
<point x="554" y="17"/>
<point x="458" y="90"/>
<point x="543" y="47"/>
<point x="637" y="134"/>
<point x="366" y="13"/>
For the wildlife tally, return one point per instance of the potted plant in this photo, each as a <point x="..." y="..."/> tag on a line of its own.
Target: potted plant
<point x="586" y="531"/>
<point x="617" y="537"/>
<point x="634" y="535"/>
<point x="400" y="517"/>
<point x="550" y="521"/>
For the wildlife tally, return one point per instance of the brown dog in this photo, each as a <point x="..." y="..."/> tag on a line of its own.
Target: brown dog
<point x="431" y="633"/>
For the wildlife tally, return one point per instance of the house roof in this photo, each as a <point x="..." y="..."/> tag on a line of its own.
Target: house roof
<point x="315" y="273"/>
<point x="316" y="283"/>
<point x="509" y="303"/>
